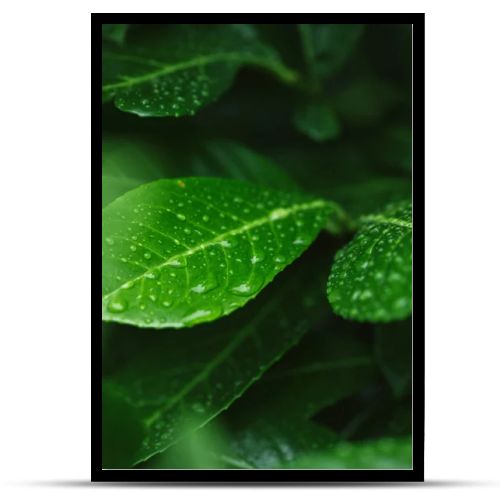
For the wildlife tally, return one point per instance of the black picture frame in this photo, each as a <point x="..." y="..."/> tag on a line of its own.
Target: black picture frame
<point x="280" y="476"/>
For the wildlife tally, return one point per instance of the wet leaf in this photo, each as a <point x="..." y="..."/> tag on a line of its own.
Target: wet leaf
<point x="187" y="251"/>
<point x="371" y="277"/>
<point x="166" y="385"/>
<point x="174" y="70"/>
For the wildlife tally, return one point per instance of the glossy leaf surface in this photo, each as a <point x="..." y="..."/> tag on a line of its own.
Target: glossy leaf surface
<point x="165" y="386"/>
<point x="371" y="277"/>
<point x="174" y="70"/>
<point x="187" y="251"/>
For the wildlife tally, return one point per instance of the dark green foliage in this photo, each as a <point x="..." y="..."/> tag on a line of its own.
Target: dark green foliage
<point x="257" y="179"/>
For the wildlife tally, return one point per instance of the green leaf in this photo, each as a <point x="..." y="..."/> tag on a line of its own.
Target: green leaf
<point x="385" y="453"/>
<point x="393" y="352"/>
<point x="187" y="251"/>
<point x="174" y="70"/>
<point x="271" y="424"/>
<point x="128" y="162"/>
<point x="170" y="384"/>
<point x="317" y="121"/>
<point x="115" y="32"/>
<point x="371" y="277"/>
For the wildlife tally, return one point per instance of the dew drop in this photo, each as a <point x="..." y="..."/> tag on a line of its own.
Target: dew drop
<point x="147" y="255"/>
<point x="110" y="241"/>
<point x="198" y="408"/>
<point x="181" y="216"/>
<point x="279" y="213"/>
<point x="180" y="262"/>
<point x="247" y="289"/>
<point x="242" y="289"/>
<point x="205" y="218"/>
<point x="117" y="305"/>
<point x="197" y="314"/>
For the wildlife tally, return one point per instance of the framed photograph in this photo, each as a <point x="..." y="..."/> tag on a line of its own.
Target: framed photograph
<point x="262" y="186"/>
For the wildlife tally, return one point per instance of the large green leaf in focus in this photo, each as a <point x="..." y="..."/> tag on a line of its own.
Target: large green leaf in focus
<point x="187" y="251"/>
<point x="371" y="277"/>
<point x="174" y="70"/>
<point x="161" y="387"/>
<point x="384" y="453"/>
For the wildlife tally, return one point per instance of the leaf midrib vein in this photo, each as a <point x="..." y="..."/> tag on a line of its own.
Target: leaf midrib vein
<point x="204" y="60"/>
<point x="233" y="232"/>
<point x="381" y="219"/>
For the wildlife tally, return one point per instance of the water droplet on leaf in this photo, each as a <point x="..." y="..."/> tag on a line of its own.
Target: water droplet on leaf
<point x="117" y="305"/>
